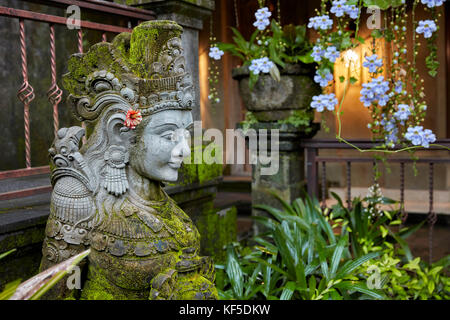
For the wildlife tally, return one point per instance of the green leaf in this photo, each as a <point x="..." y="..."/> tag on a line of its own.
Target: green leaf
<point x="341" y="79"/>
<point x="384" y="231"/>
<point x="10" y="288"/>
<point x="235" y="273"/>
<point x="288" y="291"/>
<point x="403" y="244"/>
<point x="58" y="272"/>
<point x="275" y="73"/>
<point x="306" y="58"/>
<point x="345" y="43"/>
<point x="323" y="262"/>
<point x="337" y="254"/>
<point x="382" y="4"/>
<point x="4" y="254"/>
<point x="360" y="287"/>
<point x="353" y="80"/>
<point x="312" y="285"/>
<point x="349" y="266"/>
<point x="271" y="265"/>
<point x="360" y="39"/>
<point x="376" y="34"/>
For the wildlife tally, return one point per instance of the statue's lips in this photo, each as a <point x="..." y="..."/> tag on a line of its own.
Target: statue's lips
<point x="175" y="164"/>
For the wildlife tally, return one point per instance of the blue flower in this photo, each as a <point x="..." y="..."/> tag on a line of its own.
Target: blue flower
<point x="388" y="125"/>
<point x="414" y="134"/>
<point x="263" y="13"/>
<point x="427" y="138"/>
<point x="427" y="27"/>
<point x="383" y="99"/>
<point x="352" y="11"/>
<point x="332" y="54"/>
<point x="317" y="53"/>
<point x="339" y="7"/>
<point x="399" y="86"/>
<point x="261" y="24"/>
<point x="420" y="137"/>
<point x="324" y="101"/>
<point x="255" y="67"/>
<point x="403" y="112"/>
<point x="323" y="78"/>
<point x="261" y="65"/>
<point x="373" y="63"/>
<point x="320" y="22"/>
<point x="375" y="91"/>
<point x="392" y="137"/>
<point x="265" y="65"/>
<point x="215" y="53"/>
<point x="433" y="3"/>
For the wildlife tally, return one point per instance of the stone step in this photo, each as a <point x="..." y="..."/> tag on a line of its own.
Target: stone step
<point x="236" y="184"/>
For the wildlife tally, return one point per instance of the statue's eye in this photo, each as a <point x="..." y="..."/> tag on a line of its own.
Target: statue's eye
<point x="169" y="135"/>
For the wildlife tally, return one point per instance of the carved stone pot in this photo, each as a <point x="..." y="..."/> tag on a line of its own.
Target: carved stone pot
<point x="270" y="100"/>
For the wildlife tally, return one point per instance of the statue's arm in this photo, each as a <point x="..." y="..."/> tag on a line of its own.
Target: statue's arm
<point x="67" y="229"/>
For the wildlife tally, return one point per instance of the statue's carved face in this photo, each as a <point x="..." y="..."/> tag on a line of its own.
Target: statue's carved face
<point x="159" y="151"/>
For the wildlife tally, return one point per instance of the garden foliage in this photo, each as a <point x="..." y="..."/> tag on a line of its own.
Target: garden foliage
<point x="309" y="254"/>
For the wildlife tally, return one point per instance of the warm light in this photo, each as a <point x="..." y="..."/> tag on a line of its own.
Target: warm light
<point x="351" y="59"/>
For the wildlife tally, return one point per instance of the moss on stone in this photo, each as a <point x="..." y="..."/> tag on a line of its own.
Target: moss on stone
<point x="218" y="228"/>
<point x="199" y="173"/>
<point x="146" y="42"/>
<point x="195" y="287"/>
<point x="99" y="288"/>
<point x="99" y="57"/>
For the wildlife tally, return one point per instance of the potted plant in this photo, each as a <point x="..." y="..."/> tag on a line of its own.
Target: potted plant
<point x="276" y="79"/>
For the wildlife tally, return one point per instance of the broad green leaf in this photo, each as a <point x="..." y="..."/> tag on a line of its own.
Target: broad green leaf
<point x="349" y="266"/>
<point x="288" y="291"/>
<point x="235" y="273"/>
<point x="337" y="254"/>
<point x="9" y="290"/>
<point x="362" y="288"/>
<point x="272" y="266"/>
<point x="306" y="58"/>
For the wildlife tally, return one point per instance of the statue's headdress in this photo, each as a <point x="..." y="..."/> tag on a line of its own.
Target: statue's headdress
<point x="146" y="68"/>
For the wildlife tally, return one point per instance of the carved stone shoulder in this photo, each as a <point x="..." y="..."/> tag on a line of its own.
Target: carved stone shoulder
<point x="72" y="202"/>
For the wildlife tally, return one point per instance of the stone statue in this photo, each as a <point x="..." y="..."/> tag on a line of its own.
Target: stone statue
<point x="135" y="97"/>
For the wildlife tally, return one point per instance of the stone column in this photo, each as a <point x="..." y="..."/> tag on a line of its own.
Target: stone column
<point x="190" y="15"/>
<point x="289" y="181"/>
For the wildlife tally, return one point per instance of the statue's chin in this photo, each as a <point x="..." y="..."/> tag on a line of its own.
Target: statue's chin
<point x="166" y="174"/>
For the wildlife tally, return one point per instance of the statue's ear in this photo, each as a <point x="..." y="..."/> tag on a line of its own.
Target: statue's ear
<point x="118" y="133"/>
<point x="116" y="155"/>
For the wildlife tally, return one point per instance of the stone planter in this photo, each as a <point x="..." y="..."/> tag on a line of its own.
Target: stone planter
<point x="270" y="100"/>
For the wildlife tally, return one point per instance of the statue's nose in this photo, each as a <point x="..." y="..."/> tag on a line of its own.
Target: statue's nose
<point x="182" y="149"/>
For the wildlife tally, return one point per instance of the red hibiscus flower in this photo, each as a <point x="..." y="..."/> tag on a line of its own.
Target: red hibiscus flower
<point x="133" y="118"/>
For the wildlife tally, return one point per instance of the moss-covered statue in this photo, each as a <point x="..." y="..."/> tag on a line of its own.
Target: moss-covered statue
<point x="135" y="97"/>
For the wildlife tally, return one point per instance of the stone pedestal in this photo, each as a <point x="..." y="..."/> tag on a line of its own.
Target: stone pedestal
<point x="190" y="15"/>
<point x="289" y="182"/>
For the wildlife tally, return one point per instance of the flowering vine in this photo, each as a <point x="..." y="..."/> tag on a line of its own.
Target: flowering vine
<point x="394" y="94"/>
